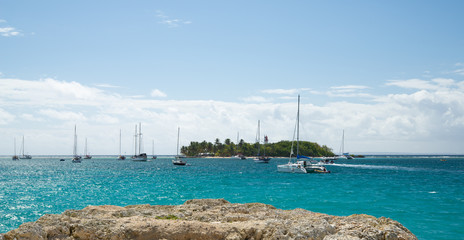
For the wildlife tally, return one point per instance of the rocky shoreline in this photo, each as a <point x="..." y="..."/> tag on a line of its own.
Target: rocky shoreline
<point x="205" y="219"/>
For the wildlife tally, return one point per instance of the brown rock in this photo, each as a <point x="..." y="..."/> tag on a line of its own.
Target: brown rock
<point x="206" y="219"/>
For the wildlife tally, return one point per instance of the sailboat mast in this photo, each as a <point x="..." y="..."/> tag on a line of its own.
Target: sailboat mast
<point x="298" y="129"/>
<point x="14" y="146"/>
<point x="153" y="147"/>
<point x="22" y="146"/>
<point x="135" y="141"/>
<point x="85" y="148"/>
<point x="119" y="142"/>
<point x="258" y="137"/>
<point x="178" y="134"/>
<point x="140" y="137"/>
<point x="75" y="141"/>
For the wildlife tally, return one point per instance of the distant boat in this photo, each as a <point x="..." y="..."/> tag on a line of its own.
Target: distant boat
<point x="120" y="157"/>
<point x="343" y="154"/>
<point x="300" y="166"/>
<point x="178" y="159"/>
<point x="76" y="158"/>
<point x="153" y="150"/>
<point x="24" y="156"/>
<point x="238" y="155"/>
<point x="86" y="155"/>
<point x="138" y="155"/>
<point x="261" y="158"/>
<point x="15" y="157"/>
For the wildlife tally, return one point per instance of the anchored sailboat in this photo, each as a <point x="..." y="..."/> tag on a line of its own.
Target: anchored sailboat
<point x="300" y="166"/>
<point x="343" y="154"/>
<point x="87" y="156"/>
<point x="178" y="159"/>
<point x="76" y="158"/>
<point x="261" y="158"/>
<point x="24" y="156"/>
<point x="138" y="155"/>
<point x="15" y="157"/>
<point x="153" y="150"/>
<point x="121" y="157"/>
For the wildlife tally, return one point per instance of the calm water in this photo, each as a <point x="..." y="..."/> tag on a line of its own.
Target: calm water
<point x="424" y="194"/>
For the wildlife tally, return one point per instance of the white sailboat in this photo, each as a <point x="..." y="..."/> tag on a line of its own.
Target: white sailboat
<point x="153" y="150"/>
<point x="24" y="156"/>
<point x="120" y="157"/>
<point x="15" y="157"/>
<point x="261" y="158"/>
<point x="86" y="155"/>
<point x="238" y="155"/>
<point x="300" y="166"/>
<point x="76" y="158"/>
<point x="178" y="159"/>
<point x="138" y="155"/>
<point x="343" y="154"/>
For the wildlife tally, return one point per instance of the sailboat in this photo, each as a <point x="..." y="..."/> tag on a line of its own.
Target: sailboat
<point x="178" y="160"/>
<point x="261" y="158"/>
<point x="238" y="155"/>
<point x="76" y="158"/>
<point x="139" y="156"/>
<point x="343" y="154"/>
<point x="15" y="157"/>
<point x="300" y="166"/>
<point x="153" y="150"/>
<point x="120" y="157"/>
<point x="24" y="156"/>
<point x="87" y="156"/>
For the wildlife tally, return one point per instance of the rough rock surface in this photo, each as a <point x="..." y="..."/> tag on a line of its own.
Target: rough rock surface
<point x="205" y="219"/>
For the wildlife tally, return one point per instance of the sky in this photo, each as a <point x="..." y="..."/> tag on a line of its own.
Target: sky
<point x="390" y="74"/>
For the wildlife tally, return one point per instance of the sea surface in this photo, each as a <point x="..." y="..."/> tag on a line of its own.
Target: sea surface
<point x="425" y="194"/>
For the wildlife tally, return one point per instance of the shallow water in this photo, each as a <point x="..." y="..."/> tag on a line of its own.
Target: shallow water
<point x="423" y="193"/>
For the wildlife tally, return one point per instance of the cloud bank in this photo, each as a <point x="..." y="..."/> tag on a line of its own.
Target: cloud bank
<point x="427" y="119"/>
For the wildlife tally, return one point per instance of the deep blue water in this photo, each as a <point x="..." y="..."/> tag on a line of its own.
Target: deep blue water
<point x="425" y="194"/>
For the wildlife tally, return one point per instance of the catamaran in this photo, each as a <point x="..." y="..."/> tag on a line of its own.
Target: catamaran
<point x="121" y="157"/>
<point x="261" y="158"/>
<point x="76" y="158"/>
<point x="178" y="159"/>
<point x="139" y="156"/>
<point x="300" y="166"/>
<point x="15" y="157"/>
<point x="24" y="156"/>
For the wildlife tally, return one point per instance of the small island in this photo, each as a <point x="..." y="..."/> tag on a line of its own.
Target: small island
<point x="229" y="148"/>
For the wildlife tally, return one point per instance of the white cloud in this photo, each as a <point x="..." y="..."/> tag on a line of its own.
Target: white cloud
<point x="425" y="120"/>
<point x="285" y="91"/>
<point x="171" y="22"/>
<point x="157" y="93"/>
<point x="9" y="32"/>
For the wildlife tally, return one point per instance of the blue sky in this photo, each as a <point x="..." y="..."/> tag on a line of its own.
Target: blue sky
<point x="388" y="72"/>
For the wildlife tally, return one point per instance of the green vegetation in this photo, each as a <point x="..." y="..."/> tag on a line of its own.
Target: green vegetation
<point x="228" y="148"/>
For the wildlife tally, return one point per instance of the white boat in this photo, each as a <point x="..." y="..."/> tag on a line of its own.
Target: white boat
<point x="15" y="157"/>
<point x="120" y="157"/>
<point x="178" y="159"/>
<point x="261" y="158"/>
<point x="86" y="155"/>
<point x="138" y="155"/>
<point x="153" y="150"/>
<point x="300" y="166"/>
<point x="76" y="158"/>
<point x="24" y="156"/>
<point x="343" y="154"/>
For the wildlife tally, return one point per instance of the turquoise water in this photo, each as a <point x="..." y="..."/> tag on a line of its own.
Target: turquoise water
<point x="424" y="194"/>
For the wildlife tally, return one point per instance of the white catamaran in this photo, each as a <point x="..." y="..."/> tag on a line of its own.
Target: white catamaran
<point x="24" y="156"/>
<point x="76" y="158"/>
<point x="138" y="155"/>
<point x="178" y="159"/>
<point x="261" y="158"/>
<point x="300" y="166"/>
<point x="343" y="154"/>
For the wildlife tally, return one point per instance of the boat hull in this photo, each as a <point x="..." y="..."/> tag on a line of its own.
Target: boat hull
<point x="301" y="167"/>
<point x="262" y="160"/>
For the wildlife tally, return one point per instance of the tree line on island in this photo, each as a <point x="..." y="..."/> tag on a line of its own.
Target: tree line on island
<point x="229" y="148"/>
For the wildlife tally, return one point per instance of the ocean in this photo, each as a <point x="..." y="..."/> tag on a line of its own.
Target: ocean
<point x="425" y="194"/>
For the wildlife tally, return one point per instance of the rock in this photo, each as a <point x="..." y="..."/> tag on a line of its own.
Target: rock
<point x="206" y="219"/>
